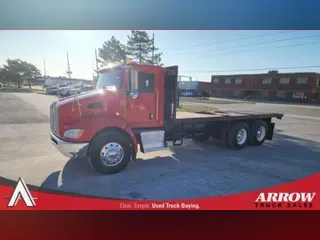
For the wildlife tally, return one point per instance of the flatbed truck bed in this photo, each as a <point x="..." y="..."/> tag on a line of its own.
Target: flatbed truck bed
<point x="222" y="115"/>
<point x="201" y="126"/>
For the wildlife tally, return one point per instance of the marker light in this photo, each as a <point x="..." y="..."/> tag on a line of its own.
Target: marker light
<point x="73" y="133"/>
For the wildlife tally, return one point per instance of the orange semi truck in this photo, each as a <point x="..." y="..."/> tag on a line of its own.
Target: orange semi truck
<point x="134" y="108"/>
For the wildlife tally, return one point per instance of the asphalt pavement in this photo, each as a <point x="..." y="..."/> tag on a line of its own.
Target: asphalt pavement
<point x="189" y="171"/>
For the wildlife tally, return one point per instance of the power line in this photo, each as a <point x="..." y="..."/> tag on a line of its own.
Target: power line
<point x="261" y="49"/>
<point x="255" y="44"/>
<point x="253" y="69"/>
<point x="239" y="39"/>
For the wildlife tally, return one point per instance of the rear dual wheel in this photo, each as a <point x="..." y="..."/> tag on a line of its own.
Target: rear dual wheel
<point x="238" y="136"/>
<point x="258" y="133"/>
<point x="241" y="134"/>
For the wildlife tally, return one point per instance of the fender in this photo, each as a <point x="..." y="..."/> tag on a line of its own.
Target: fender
<point x="92" y="126"/>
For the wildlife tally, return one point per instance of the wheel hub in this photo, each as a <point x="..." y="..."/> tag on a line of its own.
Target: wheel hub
<point x="111" y="154"/>
<point x="261" y="133"/>
<point x="242" y="136"/>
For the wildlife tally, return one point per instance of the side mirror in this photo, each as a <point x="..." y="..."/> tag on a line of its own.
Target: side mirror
<point x="132" y="94"/>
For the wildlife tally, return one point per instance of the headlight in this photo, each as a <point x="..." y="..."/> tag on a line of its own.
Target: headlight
<point x="73" y="133"/>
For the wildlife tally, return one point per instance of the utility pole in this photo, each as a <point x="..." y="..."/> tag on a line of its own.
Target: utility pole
<point x="45" y="70"/>
<point x="95" y="75"/>
<point x="140" y="52"/>
<point x="96" y="59"/>
<point x="68" y="72"/>
<point x="152" y="48"/>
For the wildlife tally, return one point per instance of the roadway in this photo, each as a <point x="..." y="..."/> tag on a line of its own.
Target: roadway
<point x="189" y="171"/>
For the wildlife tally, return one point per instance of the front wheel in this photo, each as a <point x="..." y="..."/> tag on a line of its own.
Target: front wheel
<point x="110" y="153"/>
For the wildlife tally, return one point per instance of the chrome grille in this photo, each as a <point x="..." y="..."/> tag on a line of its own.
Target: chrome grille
<point x="51" y="118"/>
<point x="54" y="120"/>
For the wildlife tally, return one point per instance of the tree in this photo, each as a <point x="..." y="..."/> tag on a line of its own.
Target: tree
<point x="141" y="48"/>
<point x="112" y="51"/>
<point x="17" y="70"/>
<point x="31" y="72"/>
<point x="13" y="71"/>
<point x="4" y="76"/>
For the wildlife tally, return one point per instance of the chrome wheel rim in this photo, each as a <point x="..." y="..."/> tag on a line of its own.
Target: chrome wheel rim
<point x="111" y="154"/>
<point x="261" y="133"/>
<point x="242" y="136"/>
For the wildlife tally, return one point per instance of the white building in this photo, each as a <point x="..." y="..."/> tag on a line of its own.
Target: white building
<point x="51" y="81"/>
<point x="188" y="85"/>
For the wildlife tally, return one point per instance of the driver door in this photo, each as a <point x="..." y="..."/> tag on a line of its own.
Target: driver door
<point x="141" y="102"/>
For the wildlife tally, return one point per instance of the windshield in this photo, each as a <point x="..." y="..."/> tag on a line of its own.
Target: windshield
<point x="111" y="78"/>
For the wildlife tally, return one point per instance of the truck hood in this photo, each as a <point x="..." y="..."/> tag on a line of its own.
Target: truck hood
<point x="91" y="96"/>
<point x="94" y="104"/>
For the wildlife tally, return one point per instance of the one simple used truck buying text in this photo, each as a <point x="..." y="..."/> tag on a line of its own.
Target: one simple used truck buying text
<point x="134" y="107"/>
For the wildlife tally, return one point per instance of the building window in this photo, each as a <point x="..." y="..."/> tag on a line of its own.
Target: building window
<point x="267" y="81"/>
<point x="227" y="81"/>
<point x="238" y="81"/>
<point x="298" y="95"/>
<point x="302" y="80"/>
<point x="284" y="80"/>
<point x="318" y="83"/>
<point x="281" y="94"/>
<point x="215" y="80"/>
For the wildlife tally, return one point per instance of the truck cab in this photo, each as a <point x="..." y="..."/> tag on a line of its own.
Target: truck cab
<point x="129" y="107"/>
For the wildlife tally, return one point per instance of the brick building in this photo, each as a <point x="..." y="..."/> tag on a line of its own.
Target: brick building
<point x="293" y="87"/>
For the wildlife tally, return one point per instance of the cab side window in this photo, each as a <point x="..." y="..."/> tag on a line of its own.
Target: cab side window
<point x="146" y="82"/>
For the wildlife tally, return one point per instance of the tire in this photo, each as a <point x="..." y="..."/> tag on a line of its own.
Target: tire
<point x="115" y="141"/>
<point x="256" y="138"/>
<point x="233" y="141"/>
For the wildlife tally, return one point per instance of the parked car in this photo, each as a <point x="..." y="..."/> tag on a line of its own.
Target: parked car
<point x="54" y="89"/>
<point x="68" y="90"/>
<point x="81" y="89"/>
<point x="186" y="94"/>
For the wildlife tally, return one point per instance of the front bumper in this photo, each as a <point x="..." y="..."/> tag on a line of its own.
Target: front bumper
<point x="69" y="149"/>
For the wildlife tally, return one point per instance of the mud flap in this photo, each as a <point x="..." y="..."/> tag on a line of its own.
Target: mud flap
<point x="270" y="130"/>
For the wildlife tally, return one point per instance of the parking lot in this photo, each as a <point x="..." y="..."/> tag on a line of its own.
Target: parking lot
<point x="189" y="171"/>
